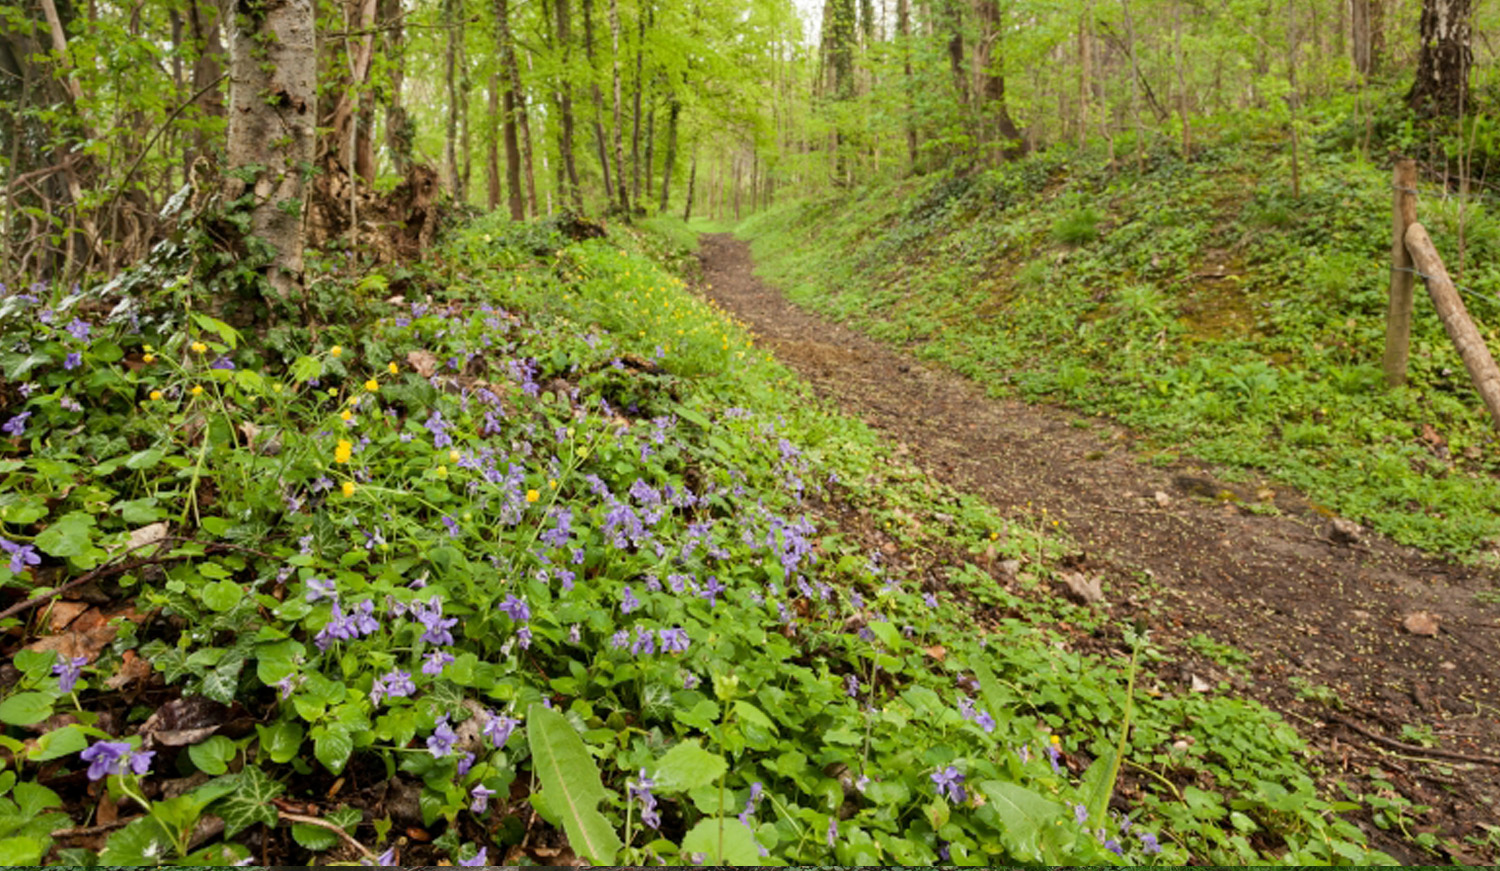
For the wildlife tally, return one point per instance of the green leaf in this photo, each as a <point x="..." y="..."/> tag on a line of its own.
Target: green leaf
<point x="224" y="331"/>
<point x="306" y="368"/>
<point x="315" y="838"/>
<point x="33" y="798"/>
<point x="141" y="460"/>
<point x="571" y="780"/>
<point x="69" y="536"/>
<point x="333" y="747"/>
<point x="222" y="595"/>
<point x="214" y="755"/>
<point x="250" y="803"/>
<point x="145" y="842"/>
<point x="22" y="510"/>
<point x="688" y="766"/>
<point x="1023" y="814"/>
<point x="739" y="846"/>
<point x="58" y="743"/>
<point x="280" y="741"/>
<point x="19" y="852"/>
<point x="24" y="709"/>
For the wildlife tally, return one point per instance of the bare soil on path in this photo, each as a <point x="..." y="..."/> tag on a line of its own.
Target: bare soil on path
<point x="1324" y="616"/>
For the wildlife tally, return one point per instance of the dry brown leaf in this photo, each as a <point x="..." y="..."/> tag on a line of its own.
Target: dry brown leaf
<point x="1421" y="623"/>
<point x="938" y="652"/>
<point x="1088" y="590"/>
<point x="425" y="362"/>
<point x="132" y="668"/>
<point x="63" y="613"/>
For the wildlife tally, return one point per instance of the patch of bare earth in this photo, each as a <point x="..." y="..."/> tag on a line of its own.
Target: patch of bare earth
<point x="1395" y="636"/>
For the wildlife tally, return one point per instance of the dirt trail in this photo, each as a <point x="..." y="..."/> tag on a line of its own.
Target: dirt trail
<point x="1305" y="606"/>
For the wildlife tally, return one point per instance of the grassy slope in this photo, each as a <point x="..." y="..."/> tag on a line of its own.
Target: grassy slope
<point x="1199" y="301"/>
<point x="843" y="643"/>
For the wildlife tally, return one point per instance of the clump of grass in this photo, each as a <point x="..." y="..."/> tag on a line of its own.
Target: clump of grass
<point x="1077" y="228"/>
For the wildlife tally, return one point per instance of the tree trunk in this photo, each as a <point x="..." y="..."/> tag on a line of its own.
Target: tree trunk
<point x="903" y="28"/>
<point x="647" y="163"/>
<point x="1359" y="36"/>
<point x="619" y="131"/>
<point x="997" y="127"/>
<point x="1085" y="76"/>
<point x="203" y="25"/>
<point x="635" y="133"/>
<point x="492" y="144"/>
<point x="450" y="149"/>
<point x="508" y="110"/>
<point x="600" y="143"/>
<point x="398" y="127"/>
<point x="1441" y="88"/>
<point x="671" y="162"/>
<point x="687" y="207"/>
<point x="272" y="118"/>
<point x="565" y="105"/>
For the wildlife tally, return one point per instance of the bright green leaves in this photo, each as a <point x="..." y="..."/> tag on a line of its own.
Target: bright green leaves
<point x="250" y="802"/>
<point x="723" y="841"/>
<point x="68" y="536"/>
<point x="24" y="709"/>
<point x="570" y="780"/>
<point x="688" y="766"/>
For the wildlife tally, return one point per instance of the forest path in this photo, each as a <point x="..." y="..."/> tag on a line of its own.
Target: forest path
<point x="1303" y="605"/>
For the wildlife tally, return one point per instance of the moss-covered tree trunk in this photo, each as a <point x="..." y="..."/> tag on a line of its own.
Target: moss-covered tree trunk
<point x="1442" y="83"/>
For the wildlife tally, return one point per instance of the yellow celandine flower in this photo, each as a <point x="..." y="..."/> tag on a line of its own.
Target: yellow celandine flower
<point x="453" y="456"/>
<point x="276" y="388"/>
<point x="333" y="391"/>
<point x="552" y="483"/>
<point x="372" y="385"/>
<point x="197" y="390"/>
<point x="532" y="495"/>
<point x="344" y="451"/>
<point x="346" y="414"/>
<point x="156" y="396"/>
<point x="441" y="471"/>
<point x="336" y="350"/>
<point x="348" y="489"/>
<point x="149" y="358"/>
<point x="198" y="347"/>
<point x="393" y="368"/>
<point x="582" y="453"/>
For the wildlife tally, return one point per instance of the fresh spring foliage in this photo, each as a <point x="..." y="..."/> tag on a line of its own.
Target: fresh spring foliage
<point x="1211" y="309"/>
<point x="550" y="533"/>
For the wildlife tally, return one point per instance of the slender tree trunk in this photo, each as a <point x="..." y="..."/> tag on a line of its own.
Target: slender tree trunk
<point x="203" y="27"/>
<point x="647" y="164"/>
<point x="671" y="162"/>
<point x="1182" y="93"/>
<point x="1085" y="76"/>
<point x="640" y="84"/>
<point x="565" y="105"/>
<point x="619" y="130"/>
<point x="1135" y="87"/>
<point x="998" y="130"/>
<point x="512" y="72"/>
<point x="398" y="130"/>
<point x="903" y="29"/>
<point x="464" y="87"/>
<point x="1292" y="98"/>
<point x="600" y="143"/>
<point x="492" y="144"/>
<point x="450" y="143"/>
<point x="508" y="97"/>
<point x="687" y="207"/>
<point x="273" y="52"/>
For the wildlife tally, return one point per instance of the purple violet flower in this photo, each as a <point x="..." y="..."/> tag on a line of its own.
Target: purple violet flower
<point x="516" y="608"/>
<point x="21" y="555"/>
<point x="479" y="860"/>
<point x="950" y="783"/>
<point x="72" y="361"/>
<point x="628" y="601"/>
<point x="674" y="640"/>
<point x="481" y="798"/>
<point x="711" y="590"/>
<point x="68" y="669"/>
<point x="115" y="757"/>
<point x="435" y="662"/>
<point x="498" y="729"/>
<point x="440" y="742"/>
<point x="16" y="425"/>
<point x="79" y="329"/>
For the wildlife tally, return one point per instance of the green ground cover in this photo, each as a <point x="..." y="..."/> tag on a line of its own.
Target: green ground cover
<point x="548" y="532"/>
<point x="1198" y="301"/>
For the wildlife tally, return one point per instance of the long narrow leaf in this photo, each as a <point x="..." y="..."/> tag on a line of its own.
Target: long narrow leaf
<point x="570" y="780"/>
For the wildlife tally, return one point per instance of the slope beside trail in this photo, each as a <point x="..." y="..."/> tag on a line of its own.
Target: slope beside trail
<point x="1321" y="616"/>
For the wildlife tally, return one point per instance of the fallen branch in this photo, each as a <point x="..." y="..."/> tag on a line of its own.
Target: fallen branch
<point x="112" y="568"/>
<point x="1410" y="748"/>
<point x="324" y="824"/>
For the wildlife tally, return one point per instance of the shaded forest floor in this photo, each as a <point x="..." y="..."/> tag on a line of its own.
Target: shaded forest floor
<point x="1383" y="657"/>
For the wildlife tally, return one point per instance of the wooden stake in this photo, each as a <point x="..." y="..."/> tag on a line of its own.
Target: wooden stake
<point x="1450" y="306"/>
<point x="1398" y="315"/>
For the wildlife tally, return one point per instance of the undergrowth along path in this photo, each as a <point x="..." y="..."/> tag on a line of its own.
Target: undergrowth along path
<point x="1322" y="617"/>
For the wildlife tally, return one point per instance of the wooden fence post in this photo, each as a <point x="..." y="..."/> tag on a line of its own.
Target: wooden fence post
<point x="1450" y="307"/>
<point x="1398" y="316"/>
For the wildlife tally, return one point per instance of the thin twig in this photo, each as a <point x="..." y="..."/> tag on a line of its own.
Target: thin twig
<point x="1411" y="748"/>
<point x="86" y="831"/>
<point x="106" y="569"/>
<point x="157" y="135"/>
<point x="324" y="824"/>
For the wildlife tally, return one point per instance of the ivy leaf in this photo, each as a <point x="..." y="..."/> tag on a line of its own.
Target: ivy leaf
<point x="571" y="781"/>
<point x="69" y="536"/>
<point x="739" y="845"/>
<point x="250" y="803"/>
<point x="688" y="766"/>
<point x="221" y="683"/>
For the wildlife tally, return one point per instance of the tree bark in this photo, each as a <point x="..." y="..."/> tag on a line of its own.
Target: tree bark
<point x="399" y="134"/>
<point x="492" y="144"/>
<point x="614" y="33"/>
<point x="640" y="84"/>
<point x="670" y="165"/>
<point x="565" y="105"/>
<point x="203" y="26"/>
<point x="450" y="145"/>
<point x="508" y="99"/>
<point x="272" y="118"/>
<point x="687" y="207"/>
<point x="1441" y="88"/>
<point x="600" y="143"/>
<point x="997" y="128"/>
<point x="903" y="29"/>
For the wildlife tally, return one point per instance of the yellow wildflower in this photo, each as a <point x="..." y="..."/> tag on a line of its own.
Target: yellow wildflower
<point x="552" y="483"/>
<point x="348" y="489"/>
<point x="156" y="396"/>
<point x="336" y="350"/>
<point x="372" y="385"/>
<point x="392" y="368"/>
<point x="441" y="471"/>
<point x="532" y="495"/>
<point x="149" y="358"/>
<point x="346" y="414"/>
<point x="453" y="456"/>
<point x="198" y="347"/>
<point x="197" y="390"/>
<point x="344" y="451"/>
